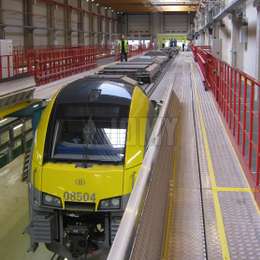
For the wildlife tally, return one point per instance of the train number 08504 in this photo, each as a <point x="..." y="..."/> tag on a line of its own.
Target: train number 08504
<point x="79" y="196"/>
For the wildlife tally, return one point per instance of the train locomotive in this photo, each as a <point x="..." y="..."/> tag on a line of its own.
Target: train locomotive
<point x="88" y="148"/>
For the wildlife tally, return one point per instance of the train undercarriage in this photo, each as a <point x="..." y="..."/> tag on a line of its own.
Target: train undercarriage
<point x="73" y="234"/>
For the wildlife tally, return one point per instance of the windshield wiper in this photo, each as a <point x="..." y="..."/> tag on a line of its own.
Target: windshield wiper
<point x="83" y="165"/>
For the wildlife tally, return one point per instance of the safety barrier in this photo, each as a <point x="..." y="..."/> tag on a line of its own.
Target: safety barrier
<point x="237" y="95"/>
<point x="15" y="65"/>
<point x="141" y="231"/>
<point x="105" y="51"/>
<point x="48" y="64"/>
<point x="57" y="64"/>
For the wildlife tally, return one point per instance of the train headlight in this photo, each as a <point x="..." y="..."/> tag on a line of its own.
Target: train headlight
<point x="50" y="200"/>
<point x="114" y="203"/>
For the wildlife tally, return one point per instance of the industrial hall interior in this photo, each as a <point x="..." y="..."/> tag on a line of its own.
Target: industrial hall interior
<point x="129" y="130"/>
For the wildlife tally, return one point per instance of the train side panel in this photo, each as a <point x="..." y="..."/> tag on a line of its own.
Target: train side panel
<point x="136" y="138"/>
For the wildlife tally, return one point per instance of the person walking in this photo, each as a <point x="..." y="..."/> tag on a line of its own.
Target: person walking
<point x="171" y="43"/>
<point x="123" y="45"/>
<point x="174" y="43"/>
<point x="183" y="46"/>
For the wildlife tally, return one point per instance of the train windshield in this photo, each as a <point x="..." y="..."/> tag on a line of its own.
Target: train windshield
<point x="91" y="134"/>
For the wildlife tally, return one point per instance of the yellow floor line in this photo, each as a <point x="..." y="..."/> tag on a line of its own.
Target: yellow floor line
<point x="218" y="211"/>
<point x="168" y="224"/>
<point x="231" y="189"/>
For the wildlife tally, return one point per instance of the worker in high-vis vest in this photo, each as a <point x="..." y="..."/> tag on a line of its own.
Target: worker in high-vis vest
<point x="123" y="45"/>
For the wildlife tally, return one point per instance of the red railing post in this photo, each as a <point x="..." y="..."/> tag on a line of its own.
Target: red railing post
<point x="244" y="118"/>
<point x="235" y="103"/>
<point x="258" y="147"/>
<point x="251" y="124"/>
<point x="239" y="111"/>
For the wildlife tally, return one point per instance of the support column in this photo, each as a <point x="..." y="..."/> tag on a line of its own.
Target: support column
<point x="51" y="24"/>
<point x="124" y="20"/>
<point x="110" y="26"/>
<point x="155" y="26"/>
<point x="2" y="28"/>
<point x="99" y="26"/>
<point x="28" y="24"/>
<point x="95" y="25"/>
<point x="189" y="23"/>
<point x="217" y="43"/>
<point x="80" y="24"/>
<point x="91" y="24"/>
<point x="119" y="25"/>
<point x="162" y="22"/>
<point x="107" y="28"/>
<point x="115" y="27"/>
<point x="257" y="5"/>
<point x="113" y="23"/>
<point x="67" y="24"/>
<point x="234" y="40"/>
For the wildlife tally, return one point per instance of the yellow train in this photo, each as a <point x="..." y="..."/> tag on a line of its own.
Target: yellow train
<point x="88" y="148"/>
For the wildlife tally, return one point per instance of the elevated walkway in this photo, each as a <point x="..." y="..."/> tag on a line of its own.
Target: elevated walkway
<point x="211" y="212"/>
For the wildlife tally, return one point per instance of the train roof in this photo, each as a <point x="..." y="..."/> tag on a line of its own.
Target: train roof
<point x="96" y="89"/>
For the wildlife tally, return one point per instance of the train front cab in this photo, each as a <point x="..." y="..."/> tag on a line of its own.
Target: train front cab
<point x="88" y="149"/>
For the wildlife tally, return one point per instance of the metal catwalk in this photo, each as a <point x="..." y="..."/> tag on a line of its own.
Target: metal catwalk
<point x="212" y="213"/>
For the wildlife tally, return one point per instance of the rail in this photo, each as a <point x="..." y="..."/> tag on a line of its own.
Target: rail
<point x="147" y="204"/>
<point x="237" y="95"/>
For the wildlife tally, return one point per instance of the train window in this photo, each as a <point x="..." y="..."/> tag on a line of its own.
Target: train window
<point x="89" y="140"/>
<point x="4" y="156"/>
<point x="29" y="136"/>
<point x="17" y="130"/>
<point x="116" y="137"/>
<point x="28" y="125"/>
<point x="17" y="148"/>
<point x="4" y="137"/>
<point x="94" y="133"/>
<point x="17" y="143"/>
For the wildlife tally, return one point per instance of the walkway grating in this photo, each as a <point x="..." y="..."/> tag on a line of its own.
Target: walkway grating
<point x="214" y="214"/>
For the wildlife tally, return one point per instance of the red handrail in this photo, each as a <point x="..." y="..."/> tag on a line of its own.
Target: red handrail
<point x="237" y="95"/>
<point x="49" y="64"/>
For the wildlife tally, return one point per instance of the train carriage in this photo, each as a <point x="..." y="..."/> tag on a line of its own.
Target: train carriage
<point x="87" y="152"/>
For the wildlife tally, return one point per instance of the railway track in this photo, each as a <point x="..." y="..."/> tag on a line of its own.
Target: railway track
<point x="198" y="156"/>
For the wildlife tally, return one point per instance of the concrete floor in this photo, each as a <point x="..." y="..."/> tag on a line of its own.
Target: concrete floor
<point x="14" y="216"/>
